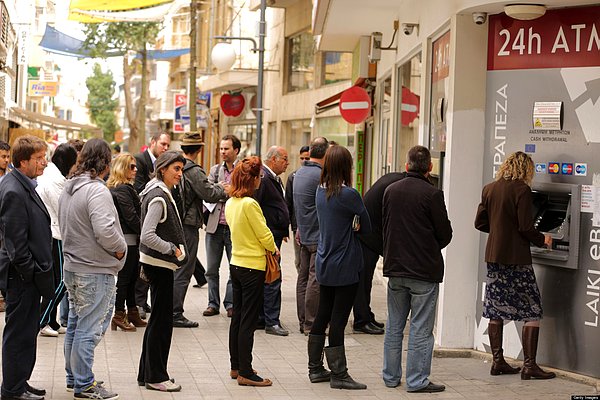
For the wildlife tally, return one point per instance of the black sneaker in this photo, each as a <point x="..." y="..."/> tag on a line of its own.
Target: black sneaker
<point x="96" y="392"/>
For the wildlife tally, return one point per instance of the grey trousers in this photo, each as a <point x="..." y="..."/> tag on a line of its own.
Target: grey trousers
<point x="183" y="276"/>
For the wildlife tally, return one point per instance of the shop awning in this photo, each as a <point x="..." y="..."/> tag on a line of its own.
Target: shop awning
<point x="114" y="5"/>
<point x="149" y="14"/>
<point x="333" y="101"/>
<point x="229" y="80"/>
<point x="57" y="42"/>
<point x="17" y="114"/>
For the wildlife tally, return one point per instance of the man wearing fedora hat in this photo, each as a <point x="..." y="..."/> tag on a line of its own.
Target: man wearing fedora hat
<point x="195" y="188"/>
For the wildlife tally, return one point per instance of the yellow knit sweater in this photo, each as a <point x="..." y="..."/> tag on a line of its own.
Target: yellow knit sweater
<point x="250" y="236"/>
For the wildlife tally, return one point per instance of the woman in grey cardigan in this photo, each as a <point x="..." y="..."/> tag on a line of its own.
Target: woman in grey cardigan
<point x="162" y="250"/>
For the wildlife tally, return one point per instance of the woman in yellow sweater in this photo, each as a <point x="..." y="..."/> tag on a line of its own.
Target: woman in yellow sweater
<point x="250" y="240"/>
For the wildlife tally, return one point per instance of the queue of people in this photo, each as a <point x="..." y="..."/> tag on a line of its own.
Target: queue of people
<point x="110" y="240"/>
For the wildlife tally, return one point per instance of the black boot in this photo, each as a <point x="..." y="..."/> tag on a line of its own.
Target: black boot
<point x="499" y="365"/>
<point x="530" y="367"/>
<point x="316" y="371"/>
<point x="340" y="379"/>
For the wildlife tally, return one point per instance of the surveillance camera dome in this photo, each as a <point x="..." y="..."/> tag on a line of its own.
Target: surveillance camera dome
<point x="407" y="29"/>
<point x="479" y="18"/>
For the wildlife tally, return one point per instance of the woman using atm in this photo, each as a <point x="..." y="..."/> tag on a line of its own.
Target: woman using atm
<point x="511" y="291"/>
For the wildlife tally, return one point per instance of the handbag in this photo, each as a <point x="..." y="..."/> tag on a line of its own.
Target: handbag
<point x="272" y="270"/>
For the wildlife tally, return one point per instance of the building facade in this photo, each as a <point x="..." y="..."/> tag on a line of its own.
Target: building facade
<point x="474" y="85"/>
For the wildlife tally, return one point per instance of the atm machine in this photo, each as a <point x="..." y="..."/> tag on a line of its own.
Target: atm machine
<point x="555" y="212"/>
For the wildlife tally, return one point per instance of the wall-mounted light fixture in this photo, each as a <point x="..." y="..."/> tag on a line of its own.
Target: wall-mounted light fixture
<point x="525" y="12"/>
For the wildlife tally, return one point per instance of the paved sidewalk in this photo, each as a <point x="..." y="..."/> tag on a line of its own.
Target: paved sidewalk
<point x="199" y="361"/>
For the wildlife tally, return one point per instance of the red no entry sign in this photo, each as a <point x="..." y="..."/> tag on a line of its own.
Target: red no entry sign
<point x="355" y="105"/>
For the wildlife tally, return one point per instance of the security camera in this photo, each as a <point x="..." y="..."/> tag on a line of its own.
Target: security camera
<point x="479" y="18"/>
<point x="375" y="47"/>
<point x="408" y="28"/>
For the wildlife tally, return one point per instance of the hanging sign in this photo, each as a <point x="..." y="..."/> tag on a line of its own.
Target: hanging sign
<point x="232" y="105"/>
<point x="355" y="105"/>
<point x="22" y="45"/>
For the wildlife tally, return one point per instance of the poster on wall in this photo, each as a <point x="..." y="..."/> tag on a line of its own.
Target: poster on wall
<point x="440" y="82"/>
<point x="181" y="114"/>
<point x="543" y="92"/>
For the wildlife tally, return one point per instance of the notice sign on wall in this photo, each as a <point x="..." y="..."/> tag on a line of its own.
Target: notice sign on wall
<point x="547" y="115"/>
<point x="42" y="88"/>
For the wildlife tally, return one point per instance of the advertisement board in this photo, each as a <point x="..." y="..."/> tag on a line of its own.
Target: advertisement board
<point x="42" y="88"/>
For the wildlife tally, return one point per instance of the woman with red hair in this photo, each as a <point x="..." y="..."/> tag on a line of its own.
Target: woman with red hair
<point x="250" y="240"/>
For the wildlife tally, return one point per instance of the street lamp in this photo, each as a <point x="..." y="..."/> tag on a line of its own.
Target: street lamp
<point x="223" y="57"/>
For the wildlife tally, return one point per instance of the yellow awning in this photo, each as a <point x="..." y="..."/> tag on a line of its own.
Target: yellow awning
<point x="112" y="5"/>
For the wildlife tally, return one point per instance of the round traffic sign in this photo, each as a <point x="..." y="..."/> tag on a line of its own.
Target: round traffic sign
<point x="355" y="105"/>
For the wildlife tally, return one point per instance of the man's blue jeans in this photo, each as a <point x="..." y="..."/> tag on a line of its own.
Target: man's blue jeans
<point x="420" y="299"/>
<point x="91" y="300"/>
<point x="215" y="242"/>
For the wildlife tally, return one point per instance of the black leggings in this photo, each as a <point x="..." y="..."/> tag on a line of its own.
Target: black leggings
<point x="126" y="280"/>
<point x="335" y="304"/>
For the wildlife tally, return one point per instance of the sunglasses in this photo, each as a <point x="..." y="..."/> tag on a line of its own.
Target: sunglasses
<point x="132" y="167"/>
<point x="304" y="158"/>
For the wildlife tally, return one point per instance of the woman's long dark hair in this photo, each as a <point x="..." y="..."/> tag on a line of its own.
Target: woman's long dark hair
<point x="94" y="158"/>
<point x="337" y="170"/>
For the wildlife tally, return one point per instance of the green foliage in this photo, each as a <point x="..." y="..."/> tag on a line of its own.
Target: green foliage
<point x="122" y="36"/>
<point x="102" y="106"/>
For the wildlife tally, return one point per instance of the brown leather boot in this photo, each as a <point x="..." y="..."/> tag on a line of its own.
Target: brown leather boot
<point x="530" y="367"/>
<point x="133" y="315"/>
<point x="499" y="365"/>
<point x="120" y="320"/>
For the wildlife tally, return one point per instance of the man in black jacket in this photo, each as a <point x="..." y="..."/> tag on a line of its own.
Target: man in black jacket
<point x="270" y="196"/>
<point x="196" y="188"/>
<point x="159" y="143"/>
<point x="372" y="247"/>
<point x="25" y="265"/>
<point x="416" y="228"/>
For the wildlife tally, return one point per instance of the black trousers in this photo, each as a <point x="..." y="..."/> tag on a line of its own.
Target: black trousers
<point x="19" y="339"/>
<point x="158" y="334"/>
<point x="335" y="303"/>
<point x="49" y="306"/>
<point x="126" y="280"/>
<point x="362" y="304"/>
<point x="141" y="292"/>
<point x="183" y="275"/>
<point x="248" y="291"/>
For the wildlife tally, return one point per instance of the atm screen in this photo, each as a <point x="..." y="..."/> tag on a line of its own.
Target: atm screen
<point x="539" y="203"/>
<point x="551" y="219"/>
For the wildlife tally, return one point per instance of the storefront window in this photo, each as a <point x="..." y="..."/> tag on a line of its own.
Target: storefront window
<point x="408" y="115"/>
<point x="301" y="62"/>
<point x="336" y="67"/>
<point x="296" y="133"/>
<point x="336" y="129"/>
<point x="246" y="135"/>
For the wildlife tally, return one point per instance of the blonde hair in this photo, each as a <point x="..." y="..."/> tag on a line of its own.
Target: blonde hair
<point x="517" y="166"/>
<point x="119" y="169"/>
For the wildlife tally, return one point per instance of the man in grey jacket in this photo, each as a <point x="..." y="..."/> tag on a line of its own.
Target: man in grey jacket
<point x="306" y="183"/>
<point x="94" y="251"/>
<point x="196" y="188"/>
<point x="218" y="236"/>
